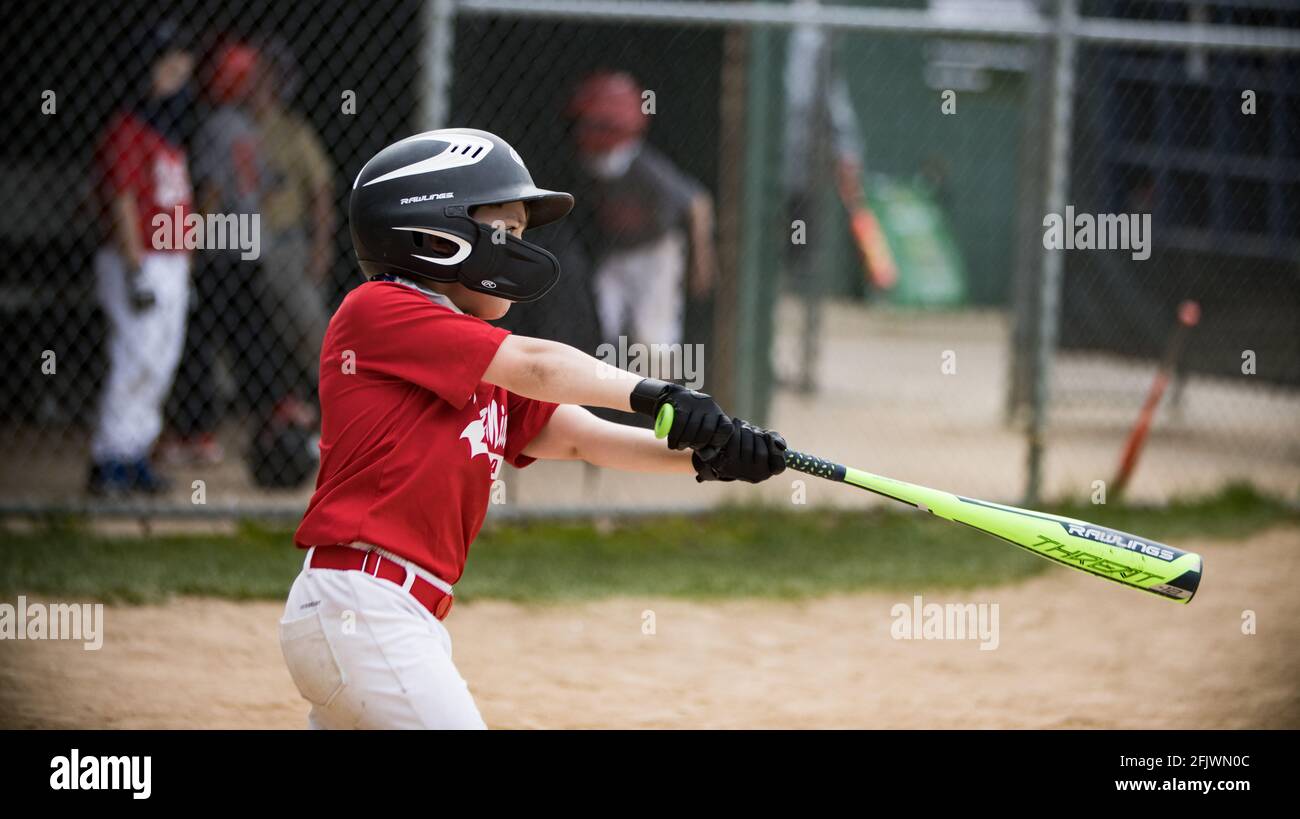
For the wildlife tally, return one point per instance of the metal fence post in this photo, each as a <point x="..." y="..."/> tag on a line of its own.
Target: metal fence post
<point x="1049" y="293"/>
<point x="753" y="335"/>
<point x="1026" y="278"/>
<point x="821" y="182"/>
<point x="435" y="67"/>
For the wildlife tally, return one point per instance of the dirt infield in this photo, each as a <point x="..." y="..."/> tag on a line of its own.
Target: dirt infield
<point x="1073" y="652"/>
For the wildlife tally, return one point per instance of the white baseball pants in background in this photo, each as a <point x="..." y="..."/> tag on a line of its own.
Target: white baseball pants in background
<point x="143" y="350"/>
<point x="366" y="655"/>
<point x="639" y="291"/>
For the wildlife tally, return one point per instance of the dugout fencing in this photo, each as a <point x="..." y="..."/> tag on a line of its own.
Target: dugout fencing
<point x="1007" y="356"/>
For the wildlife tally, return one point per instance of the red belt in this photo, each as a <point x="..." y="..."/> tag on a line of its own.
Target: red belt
<point x="345" y="558"/>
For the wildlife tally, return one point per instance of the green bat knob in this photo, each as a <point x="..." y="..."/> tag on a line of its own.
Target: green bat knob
<point x="664" y="421"/>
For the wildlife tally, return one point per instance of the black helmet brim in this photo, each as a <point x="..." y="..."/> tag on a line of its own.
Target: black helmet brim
<point x="544" y="206"/>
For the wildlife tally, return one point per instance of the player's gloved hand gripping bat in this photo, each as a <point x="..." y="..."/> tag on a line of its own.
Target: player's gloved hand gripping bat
<point x="1128" y="559"/>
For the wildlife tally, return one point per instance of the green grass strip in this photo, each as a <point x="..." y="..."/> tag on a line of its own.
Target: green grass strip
<point x="734" y="552"/>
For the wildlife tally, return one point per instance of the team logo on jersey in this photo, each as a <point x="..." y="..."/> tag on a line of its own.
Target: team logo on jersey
<point x="486" y="435"/>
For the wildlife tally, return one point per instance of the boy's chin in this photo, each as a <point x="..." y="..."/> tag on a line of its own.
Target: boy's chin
<point x="476" y="304"/>
<point x="489" y="309"/>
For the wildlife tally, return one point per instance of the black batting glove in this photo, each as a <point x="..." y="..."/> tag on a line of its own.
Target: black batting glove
<point x="752" y="455"/>
<point x="698" y="422"/>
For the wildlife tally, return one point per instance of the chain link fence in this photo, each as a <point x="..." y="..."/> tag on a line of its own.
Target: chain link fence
<point x="256" y="114"/>
<point x="864" y="224"/>
<point x="1197" y="148"/>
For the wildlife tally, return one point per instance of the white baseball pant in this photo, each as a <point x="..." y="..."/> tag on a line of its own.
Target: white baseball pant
<point x="639" y="291"/>
<point x="143" y="350"/>
<point x="367" y="655"/>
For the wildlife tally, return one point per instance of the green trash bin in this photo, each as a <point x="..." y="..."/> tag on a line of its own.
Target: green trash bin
<point x="930" y="269"/>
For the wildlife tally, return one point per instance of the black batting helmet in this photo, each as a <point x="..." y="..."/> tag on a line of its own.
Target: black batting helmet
<point x="410" y="214"/>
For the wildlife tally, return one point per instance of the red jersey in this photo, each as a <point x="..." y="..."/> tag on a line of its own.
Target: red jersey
<point x="411" y="435"/>
<point x="135" y="158"/>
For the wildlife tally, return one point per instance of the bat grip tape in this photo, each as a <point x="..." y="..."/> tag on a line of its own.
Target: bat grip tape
<point x="812" y="465"/>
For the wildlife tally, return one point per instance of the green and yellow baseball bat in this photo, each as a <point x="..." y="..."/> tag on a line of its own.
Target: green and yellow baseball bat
<point x="1134" y="561"/>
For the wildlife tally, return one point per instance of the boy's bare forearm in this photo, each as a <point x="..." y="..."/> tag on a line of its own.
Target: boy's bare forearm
<point x="633" y="449"/>
<point x="558" y="373"/>
<point x="550" y="371"/>
<point x="573" y="433"/>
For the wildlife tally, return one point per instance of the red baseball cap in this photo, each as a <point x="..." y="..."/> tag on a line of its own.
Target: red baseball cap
<point x="233" y="70"/>
<point x="606" y="108"/>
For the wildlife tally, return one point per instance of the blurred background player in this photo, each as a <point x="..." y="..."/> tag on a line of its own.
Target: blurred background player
<point x="649" y="226"/>
<point x="228" y="178"/>
<point x="237" y="311"/>
<point x="298" y="216"/>
<point x="142" y="288"/>
<point x="823" y="145"/>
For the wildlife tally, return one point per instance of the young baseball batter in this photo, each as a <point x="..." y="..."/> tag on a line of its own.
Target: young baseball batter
<point x="422" y="401"/>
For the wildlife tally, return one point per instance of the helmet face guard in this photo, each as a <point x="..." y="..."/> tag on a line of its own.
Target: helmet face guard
<point x="410" y="214"/>
<point x="486" y="259"/>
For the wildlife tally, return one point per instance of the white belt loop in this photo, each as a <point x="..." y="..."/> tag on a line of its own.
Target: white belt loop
<point x="409" y="581"/>
<point x="306" y="564"/>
